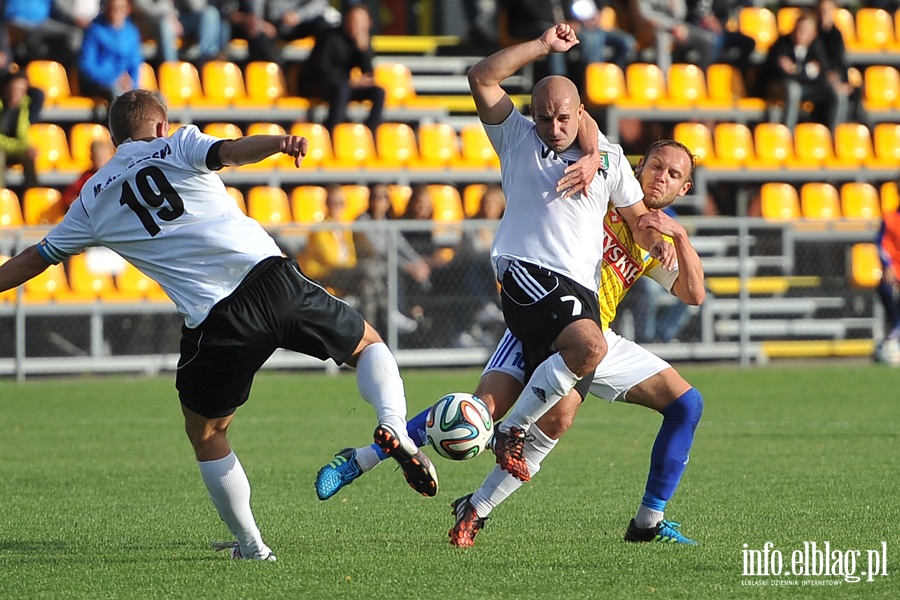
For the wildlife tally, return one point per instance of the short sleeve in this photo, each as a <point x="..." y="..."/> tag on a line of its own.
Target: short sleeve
<point x="192" y="147"/>
<point x="625" y="189"/>
<point x="68" y="238"/>
<point x="509" y="133"/>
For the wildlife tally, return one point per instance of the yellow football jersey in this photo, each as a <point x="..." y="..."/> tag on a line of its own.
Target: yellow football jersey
<point x="623" y="262"/>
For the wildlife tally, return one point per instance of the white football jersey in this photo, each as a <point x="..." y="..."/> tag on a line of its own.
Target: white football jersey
<point x="539" y="226"/>
<point x="159" y="206"/>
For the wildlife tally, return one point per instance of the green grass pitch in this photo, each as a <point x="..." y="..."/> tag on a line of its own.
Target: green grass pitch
<point x="100" y="496"/>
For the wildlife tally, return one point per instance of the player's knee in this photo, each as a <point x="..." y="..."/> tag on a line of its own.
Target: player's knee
<point x="588" y="356"/>
<point x="688" y="408"/>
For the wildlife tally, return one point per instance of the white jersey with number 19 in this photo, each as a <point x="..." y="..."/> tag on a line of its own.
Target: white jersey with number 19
<point x="159" y="205"/>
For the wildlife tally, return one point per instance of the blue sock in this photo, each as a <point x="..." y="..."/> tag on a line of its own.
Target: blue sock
<point x="415" y="428"/>
<point x="669" y="456"/>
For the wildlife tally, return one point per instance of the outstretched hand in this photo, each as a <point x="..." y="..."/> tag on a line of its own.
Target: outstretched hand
<point x="578" y="176"/>
<point x="296" y="146"/>
<point x="560" y="38"/>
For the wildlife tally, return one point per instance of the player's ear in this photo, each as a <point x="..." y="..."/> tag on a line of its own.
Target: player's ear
<point x="639" y="167"/>
<point x="685" y="188"/>
<point x="162" y="128"/>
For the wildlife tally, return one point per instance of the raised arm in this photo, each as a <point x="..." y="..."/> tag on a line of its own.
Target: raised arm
<point x="254" y="148"/>
<point x="689" y="286"/>
<point x="20" y="268"/>
<point x="491" y="101"/>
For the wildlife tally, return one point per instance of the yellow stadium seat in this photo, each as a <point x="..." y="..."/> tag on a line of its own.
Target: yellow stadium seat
<point x="94" y="284"/>
<point x="275" y="161"/>
<point x="779" y="202"/>
<point x="853" y="144"/>
<point x="49" y="285"/>
<point x="10" y="209"/>
<point x="308" y="203"/>
<point x="268" y="205"/>
<point x="399" y="194"/>
<point x="874" y="29"/>
<point x="477" y="151"/>
<point x="225" y="131"/>
<point x="9" y="295"/>
<point x="266" y="85"/>
<point x="881" y="87"/>
<point x="890" y="197"/>
<point x="760" y="24"/>
<point x="774" y="144"/>
<point x="860" y="201"/>
<point x="397" y="146"/>
<point x="698" y="138"/>
<point x="814" y="146"/>
<point x="52" y="147"/>
<point x="132" y="282"/>
<point x="223" y="83"/>
<point x="439" y="146"/>
<point x="147" y="78"/>
<point x="446" y="203"/>
<point x="786" y="17"/>
<point x="645" y="84"/>
<point x="238" y="197"/>
<point x="179" y="83"/>
<point x="42" y="206"/>
<point x="81" y="136"/>
<point x="886" y="137"/>
<point x="472" y="194"/>
<point x="396" y="79"/>
<point x="820" y="201"/>
<point x="51" y="77"/>
<point x="734" y="145"/>
<point x="686" y="86"/>
<point x="843" y="20"/>
<point x="357" y="201"/>
<point x="865" y="265"/>
<point x="320" y="153"/>
<point x="605" y="84"/>
<point x="354" y="146"/>
<point x="725" y="86"/>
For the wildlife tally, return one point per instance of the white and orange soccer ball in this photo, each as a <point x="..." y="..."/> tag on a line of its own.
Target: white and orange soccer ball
<point x="459" y="426"/>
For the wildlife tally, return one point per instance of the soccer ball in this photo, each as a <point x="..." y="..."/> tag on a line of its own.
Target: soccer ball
<point x="889" y="352"/>
<point x="459" y="426"/>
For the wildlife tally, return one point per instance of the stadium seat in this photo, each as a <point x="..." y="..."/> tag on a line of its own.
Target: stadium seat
<point x="268" y="205"/>
<point x="686" y="86"/>
<point x="760" y="24"/>
<point x="147" y="78"/>
<point x="853" y="145"/>
<point x="397" y="146"/>
<point x="890" y="197"/>
<point x="734" y="145"/>
<point x="225" y="131"/>
<point x="726" y="87"/>
<point x="357" y="200"/>
<point x="843" y="20"/>
<point x="886" y="138"/>
<point x="179" y="83"/>
<point x="439" y="146"/>
<point x="881" y="87"/>
<point x="786" y="18"/>
<point x="477" y="151"/>
<point x="10" y="209"/>
<point x="645" y="84"/>
<point x="52" y="147"/>
<point x="354" y="146"/>
<point x="774" y="144"/>
<point x="275" y="161"/>
<point x="308" y="203"/>
<point x="320" y="154"/>
<point x="81" y="136"/>
<point x="605" y="83"/>
<point x="50" y="285"/>
<point x="132" y="282"/>
<point x="698" y="138"/>
<point x="820" y="201"/>
<point x="472" y="194"/>
<point x="396" y="79"/>
<point x="874" y="29"/>
<point x="11" y="294"/>
<point x="399" y="194"/>
<point x="94" y="284"/>
<point x="779" y="202"/>
<point x="860" y="201"/>
<point x="266" y="84"/>
<point x="223" y="85"/>
<point x="446" y="203"/>
<point x="51" y="77"/>
<point x="865" y="266"/>
<point x="42" y="206"/>
<point x="238" y="197"/>
<point x="814" y="146"/>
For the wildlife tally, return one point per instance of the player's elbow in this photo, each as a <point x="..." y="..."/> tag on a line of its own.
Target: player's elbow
<point x="693" y="297"/>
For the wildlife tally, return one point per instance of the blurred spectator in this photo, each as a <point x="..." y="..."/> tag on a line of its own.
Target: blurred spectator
<point x="585" y="18"/>
<point x="42" y="36"/>
<point x="15" y="121"/>
<point x="838" y="72"/>
<point x="79" y="13"/>
<point x="675" y="39"/>
<point x="795" y="71"/>
<point x="372" y="247"/>
<point x="296" y="19"/>
<point x="482" y="18"/>
<point x="326" y="73"/>
<point x="168" y="21"/>
<point x="244" y="24"/>
<point x="528" y="19"/>
<point x="111" y="56"/>
<point x="732" y="46"/>
<point x="330" y="256"/>
<point x="888" y="241"/>
<point x="101" y="152"/>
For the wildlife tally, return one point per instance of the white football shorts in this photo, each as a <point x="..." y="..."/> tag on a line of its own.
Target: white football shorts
<point x="625" y="365"/>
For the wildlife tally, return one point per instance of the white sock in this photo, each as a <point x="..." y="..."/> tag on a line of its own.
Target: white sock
<point x="367" y="458"/>
<point x="647" y="517"/>
<point x="229" y="491"/>
<point x="500" y="485"/>
<point x="379" y="383"/>
<point x="551" y="381"/>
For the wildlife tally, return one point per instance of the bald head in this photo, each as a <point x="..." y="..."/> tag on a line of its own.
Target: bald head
<point x="556" y="109"/>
